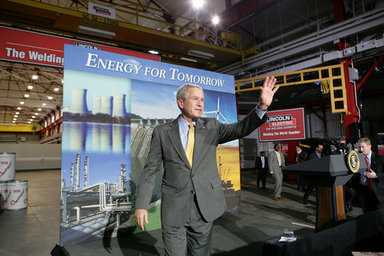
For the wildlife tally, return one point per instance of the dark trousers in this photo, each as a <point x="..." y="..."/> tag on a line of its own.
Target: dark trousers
<point x="192" y="239"/>
<point x="300" y="182"/>
<point x="308" y="191"/>
<point x="368" y="199"/>
<point x="262" y="176"/>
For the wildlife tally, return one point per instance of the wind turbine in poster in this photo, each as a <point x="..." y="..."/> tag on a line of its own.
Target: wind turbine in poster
<point x="111" y="104"/>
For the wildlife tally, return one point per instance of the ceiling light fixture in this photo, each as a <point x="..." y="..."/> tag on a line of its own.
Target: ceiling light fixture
<point x="197" y="4"/>
<point x="13" y="121"/>
<point x="37" y="114"/>
<point x="17" y="113"/>
<point x="188" y="59"/>
<point x="22" y="102"/>
<point x="56" y="89"/>
<point x="16" y="116"/>
<point x="19" y="108"/>
<point x="96" y="32"/>
<point x="50" y="97"/>
<point x="26" y="95"/>
<point x="30" y="87"/>
<point x="39" y="109"/>
<point x="153" y="52"/>
<point x="200" y="54"/>
<point x="29" y="122"/>
<point x="33" y="117"/>
<point x="35" y="77"/>
<point x="215" y="20"/>
<point x="44" y="104"/>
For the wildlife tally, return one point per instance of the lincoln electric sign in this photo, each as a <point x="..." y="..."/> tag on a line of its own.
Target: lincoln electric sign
<point x="283" y="125"/>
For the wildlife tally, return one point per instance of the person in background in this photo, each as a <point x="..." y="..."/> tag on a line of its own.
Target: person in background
<point x="261" y="166"/>
<point x="371" y="181"/>
<point x="310" y="186"/>
<point x="275" y="163"/>
<point x="300" y="156"/>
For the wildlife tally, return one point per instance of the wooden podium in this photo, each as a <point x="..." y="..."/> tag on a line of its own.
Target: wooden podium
<point x="329" y="174"/>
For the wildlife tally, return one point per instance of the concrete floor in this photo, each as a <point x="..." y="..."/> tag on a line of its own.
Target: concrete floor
<point x="35" y="230"/>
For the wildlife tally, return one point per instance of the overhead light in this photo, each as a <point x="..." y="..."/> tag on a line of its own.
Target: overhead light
<point x="188" y="59"/>
<point x="96" y="32"/>
<point x="13" y="121"/>
<point x="33" y="117"/>
<point x="200" y="54"/>
<point x="56" y="89"/>
<point x="26" y="95"/>
<point x="153" y="52"/>
<point x="62" y="81"/>
<point x="16" y="116"/>
<point x="44" y="104"/>
<point x="17" y="113"/>
<point x="39" y="109"/>
<point x="19" y="108"/>
<point x="22" y="102"/>
<point x="215" y="20"/>
<point x="197" y="4"/>
<point x="37" y="114"/>
<point x="30" y="87"/>
<point x="35" y="77"/>
<point x="29" y="122"/>
<point x="50" y="97"/>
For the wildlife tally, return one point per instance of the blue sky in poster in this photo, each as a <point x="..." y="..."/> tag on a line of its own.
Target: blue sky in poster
<point x="152" y="100"/>
<point x="111" y="64"/>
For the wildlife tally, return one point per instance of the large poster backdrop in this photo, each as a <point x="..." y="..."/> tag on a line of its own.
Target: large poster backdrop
<point x="112" y="102"/>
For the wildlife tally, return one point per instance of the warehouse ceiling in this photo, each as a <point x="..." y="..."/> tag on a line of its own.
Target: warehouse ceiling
<point x="269" y="31"/>
<point x="28" y="93"/>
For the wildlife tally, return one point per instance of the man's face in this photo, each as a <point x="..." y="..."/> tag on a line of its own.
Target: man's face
<point x="277" y="147"/>
<point x="319" y="149"/>
<point x="193" y="106"/>
<point x="298" y="149"/>
<point x="364" y="148"/>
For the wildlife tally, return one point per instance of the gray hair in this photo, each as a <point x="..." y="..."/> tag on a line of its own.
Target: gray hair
<point x="182" y="92"/>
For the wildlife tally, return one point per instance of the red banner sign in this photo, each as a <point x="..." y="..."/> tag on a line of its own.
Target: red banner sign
<point x="283" y="125"/>
<point x="37" y="48"/>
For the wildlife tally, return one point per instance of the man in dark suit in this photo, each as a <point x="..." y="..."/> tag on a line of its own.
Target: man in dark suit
<point x="192" y="195"/>
<point x="300" y="156"/>
<point x="371" y="185"/>
<point x="261" y="166"/>
<point x="310" y="186"/>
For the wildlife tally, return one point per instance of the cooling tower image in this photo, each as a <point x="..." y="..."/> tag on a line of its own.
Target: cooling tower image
<point x="79" y="101"/>
<point x="96" y="105"/>
<point x="106" y="105"/>
<point x="119" y="106"/>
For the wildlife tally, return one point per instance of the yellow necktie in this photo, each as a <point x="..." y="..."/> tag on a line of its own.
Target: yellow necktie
<point x="279" y="157"/>
<point x="190" y="144"/>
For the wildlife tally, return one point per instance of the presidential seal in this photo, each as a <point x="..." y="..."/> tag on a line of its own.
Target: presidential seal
<point x="353" y="161"/>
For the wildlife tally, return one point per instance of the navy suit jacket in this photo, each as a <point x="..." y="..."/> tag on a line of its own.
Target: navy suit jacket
<point x="377" y="165"/>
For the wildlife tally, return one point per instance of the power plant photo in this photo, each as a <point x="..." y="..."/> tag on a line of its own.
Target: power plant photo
<point x="106" y="109"/>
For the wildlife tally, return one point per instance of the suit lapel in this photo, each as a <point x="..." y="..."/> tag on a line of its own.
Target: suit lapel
<point x="174" y="137"/>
